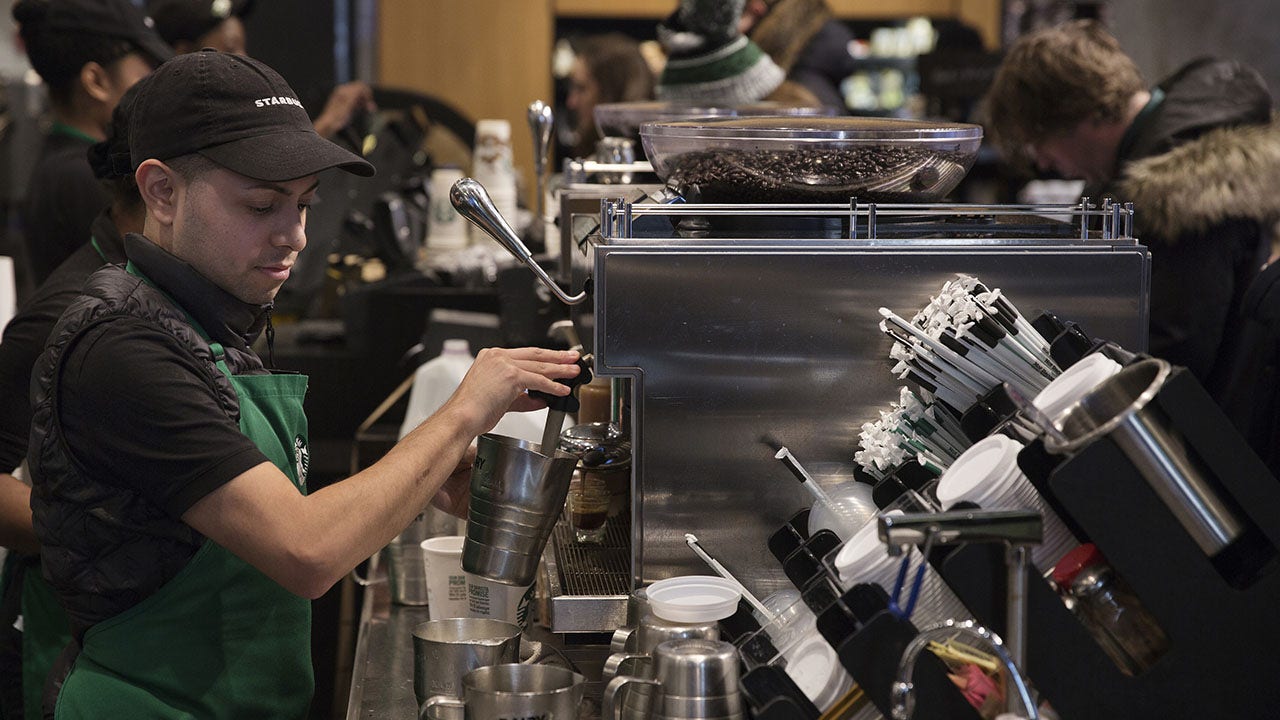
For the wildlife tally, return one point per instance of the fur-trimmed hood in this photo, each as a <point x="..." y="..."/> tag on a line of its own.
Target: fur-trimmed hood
<point x="1227" y="173"/>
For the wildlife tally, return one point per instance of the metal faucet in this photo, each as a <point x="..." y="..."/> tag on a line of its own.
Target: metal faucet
<point x="902" y="694"/>
<point x="1017" y="530"/>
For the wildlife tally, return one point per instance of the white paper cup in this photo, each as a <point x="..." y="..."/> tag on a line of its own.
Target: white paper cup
<point x="446" y="583"/>
<point x="865" y="559"/>
<point x="988" y="474"/>
<point x="1076" y="382"/>
<point x="486" y="598"/>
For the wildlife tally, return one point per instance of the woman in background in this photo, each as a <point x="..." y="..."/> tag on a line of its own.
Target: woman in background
<point x="607" y="68"/>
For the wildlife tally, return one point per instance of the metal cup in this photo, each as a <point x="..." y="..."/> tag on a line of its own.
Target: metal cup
<point x="446" y="650"/>
<point x="651" y="632"/>
<point x="515" y="692"/>
<point x="406" y="572"/>
<point x="623" y="639"/>
<point x="1121" y="408"/>
<point x="517" y="494"/>
<point x="693" y="679"/>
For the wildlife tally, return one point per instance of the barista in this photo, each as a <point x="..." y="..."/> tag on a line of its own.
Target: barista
<point x="169" y="465"/>
<point x="88" y="52"/>
<point x="189" y="25"/>
<point x="26" y="654"/>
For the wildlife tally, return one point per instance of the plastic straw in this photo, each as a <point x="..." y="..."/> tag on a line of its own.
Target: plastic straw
<point x="692" y="541"/>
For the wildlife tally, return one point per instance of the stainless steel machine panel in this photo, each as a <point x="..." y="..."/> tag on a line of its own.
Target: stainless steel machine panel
<point x="731" y="342"/>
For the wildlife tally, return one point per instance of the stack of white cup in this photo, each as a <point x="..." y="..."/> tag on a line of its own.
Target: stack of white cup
<point x="446" y="230"/>
<point x="864" y="559"/>
<point x="491" y="166"/>
<point x="988" y="474"/>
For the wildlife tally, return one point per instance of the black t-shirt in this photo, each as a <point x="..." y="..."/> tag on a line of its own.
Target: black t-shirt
<point x="25" y="335"/>
<point x="63" y="198"/>
<point x="135" y="407"/>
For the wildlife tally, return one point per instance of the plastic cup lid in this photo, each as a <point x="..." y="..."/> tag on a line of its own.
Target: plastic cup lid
<point x="694" y="598"/>
<point x="1073" y="384"/>
<point x="983" y="471"/>
<point x="816" y="670"/>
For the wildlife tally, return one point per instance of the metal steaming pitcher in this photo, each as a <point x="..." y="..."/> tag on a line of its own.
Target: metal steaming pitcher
<point x="517" y="494"/>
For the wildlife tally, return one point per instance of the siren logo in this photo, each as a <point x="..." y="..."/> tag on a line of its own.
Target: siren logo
<point x="301" y="461"/>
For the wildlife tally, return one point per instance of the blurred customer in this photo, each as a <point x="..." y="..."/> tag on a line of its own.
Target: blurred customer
<point x="189" y="25"/>
<point x="710" y="62"/>
<point x="1198" y="155"/>
<point x="806" y="41"/>
<point x="88" y="53"/>
<point x="606" y="69"/>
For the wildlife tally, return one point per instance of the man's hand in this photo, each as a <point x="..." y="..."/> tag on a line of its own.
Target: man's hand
<point x="344" y="102"/>
<point x="498" y="380"/>
<point x="454" y="497"/>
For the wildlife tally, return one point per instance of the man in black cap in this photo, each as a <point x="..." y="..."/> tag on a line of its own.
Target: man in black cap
<point x="189" y="25"/>
<point x="169" y="466"/>
<point x="88" y="52"/>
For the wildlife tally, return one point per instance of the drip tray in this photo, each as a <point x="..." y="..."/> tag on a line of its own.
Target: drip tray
<point x="588" y="583"/>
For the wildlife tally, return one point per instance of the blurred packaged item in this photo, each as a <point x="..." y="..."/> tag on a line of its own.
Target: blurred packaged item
<point x="1129" y="635"/>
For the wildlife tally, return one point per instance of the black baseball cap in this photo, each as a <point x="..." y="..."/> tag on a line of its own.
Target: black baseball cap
<point x="112" y="18"/>
<point x="189" y="20"/>
<point x="235" y="111"/>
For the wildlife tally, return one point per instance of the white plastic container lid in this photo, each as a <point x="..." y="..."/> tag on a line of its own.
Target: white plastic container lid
<point x="984" y="471"/>
<point x="694" y="598"/>
<point x="1074" y="383"/>
<point x="815" y="667"/>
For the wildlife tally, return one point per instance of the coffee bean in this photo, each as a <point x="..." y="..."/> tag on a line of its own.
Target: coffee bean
<point x="820" y="175"/>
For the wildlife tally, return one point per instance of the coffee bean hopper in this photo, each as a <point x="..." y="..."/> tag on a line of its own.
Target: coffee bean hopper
<point x="811" y="159"/>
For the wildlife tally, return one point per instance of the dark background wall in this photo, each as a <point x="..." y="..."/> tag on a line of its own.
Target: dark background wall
<point x="297" y="38"/>
<point x="1161" y="35"/>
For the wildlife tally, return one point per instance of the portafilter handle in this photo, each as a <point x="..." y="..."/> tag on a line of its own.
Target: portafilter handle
<point x="472" y="202"/>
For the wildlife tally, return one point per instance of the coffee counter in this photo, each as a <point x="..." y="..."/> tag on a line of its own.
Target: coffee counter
<point x="382" y="670"/>
<point x="382" y="673"/>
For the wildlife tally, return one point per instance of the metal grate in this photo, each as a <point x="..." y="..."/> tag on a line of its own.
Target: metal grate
<point x="594" y="569"/>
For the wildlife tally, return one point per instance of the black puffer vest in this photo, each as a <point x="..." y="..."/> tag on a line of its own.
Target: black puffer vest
<point x="141" y="546"/>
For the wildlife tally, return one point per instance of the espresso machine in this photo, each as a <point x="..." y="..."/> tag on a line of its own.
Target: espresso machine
<point x="729" y="340"/>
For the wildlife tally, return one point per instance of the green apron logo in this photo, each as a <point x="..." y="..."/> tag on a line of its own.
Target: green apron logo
<point x="302" y="460"/>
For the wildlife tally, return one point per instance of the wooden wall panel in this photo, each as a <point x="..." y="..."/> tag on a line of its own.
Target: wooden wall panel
<point x="491" y="58"/>
<point x="488" y="58"/>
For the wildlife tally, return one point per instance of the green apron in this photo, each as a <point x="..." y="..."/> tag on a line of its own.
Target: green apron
<point x="219" y="640"/>
<point x="45" y="632"/>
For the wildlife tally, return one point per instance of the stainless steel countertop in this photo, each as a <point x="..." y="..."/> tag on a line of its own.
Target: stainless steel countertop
<point x="382" y="673"/>
<point x="382" y="670"/>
